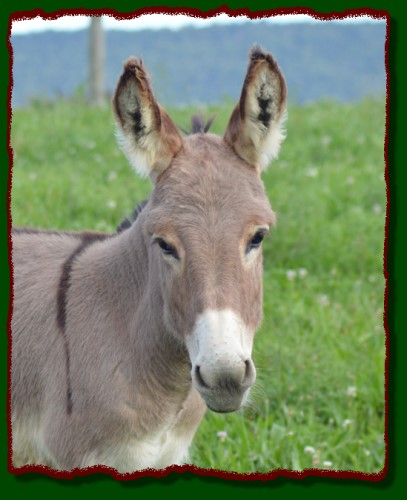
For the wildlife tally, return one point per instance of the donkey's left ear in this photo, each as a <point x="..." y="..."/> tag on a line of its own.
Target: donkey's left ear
<point x="148" y="137"/>
<point x="255" y="127"/>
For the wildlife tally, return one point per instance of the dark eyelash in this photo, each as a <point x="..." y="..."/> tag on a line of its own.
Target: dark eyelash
<point x="255" y="241"/>
<point x="166" y="248"/>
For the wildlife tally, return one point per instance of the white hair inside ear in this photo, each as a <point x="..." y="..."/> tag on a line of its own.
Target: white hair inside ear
<point x="255" y="130"/>
<point x="146" y="134"/>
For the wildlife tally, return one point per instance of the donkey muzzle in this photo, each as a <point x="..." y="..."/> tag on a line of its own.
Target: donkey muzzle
<point x="220" y="352"/>
<point x="224" y="389"/>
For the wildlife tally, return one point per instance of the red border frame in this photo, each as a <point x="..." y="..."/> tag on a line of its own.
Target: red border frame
<point x="194" y="12"/>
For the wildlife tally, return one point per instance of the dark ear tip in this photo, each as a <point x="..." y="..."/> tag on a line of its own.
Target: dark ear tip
<point x="257" y="53"/>
<point x="132" y="64"/>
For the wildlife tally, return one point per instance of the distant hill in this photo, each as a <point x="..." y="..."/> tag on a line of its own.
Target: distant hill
<point x="337" y="61"/>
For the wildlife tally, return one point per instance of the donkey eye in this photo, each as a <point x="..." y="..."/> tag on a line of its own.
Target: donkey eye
<point x="167" y="249"/>
<point x="255" y="241"/>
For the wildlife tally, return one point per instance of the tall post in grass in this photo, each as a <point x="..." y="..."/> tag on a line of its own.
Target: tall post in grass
<point x="96" y="61"/>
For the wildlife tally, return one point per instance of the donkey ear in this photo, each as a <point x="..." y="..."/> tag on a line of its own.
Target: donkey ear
<point x="255" y="127"/>
<point x="147" y="135"/>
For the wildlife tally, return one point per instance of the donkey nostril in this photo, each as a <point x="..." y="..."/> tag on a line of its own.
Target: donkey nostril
<point x="250" y="373"/>
<point x="199" y="378"/>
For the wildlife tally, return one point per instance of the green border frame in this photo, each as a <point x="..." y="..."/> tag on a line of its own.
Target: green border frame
<point x="101" y="485"/>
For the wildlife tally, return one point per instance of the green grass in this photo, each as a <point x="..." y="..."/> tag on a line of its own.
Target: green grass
<point x="319" y="398"/>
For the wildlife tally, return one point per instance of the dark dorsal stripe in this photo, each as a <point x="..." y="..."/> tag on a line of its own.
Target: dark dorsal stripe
<point x="87" y="239"/>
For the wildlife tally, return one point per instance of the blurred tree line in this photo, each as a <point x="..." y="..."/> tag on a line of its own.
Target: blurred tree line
<point x="327" y="60"/>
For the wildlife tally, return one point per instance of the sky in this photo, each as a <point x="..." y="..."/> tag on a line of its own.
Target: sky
<point x="154" y="21"/>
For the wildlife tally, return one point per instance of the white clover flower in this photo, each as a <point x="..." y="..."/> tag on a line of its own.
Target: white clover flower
<point x="291" y="274"/>
<point x="309" y="449"/>
<point x="377" y="209"/>
<point x="111" y="204"/>
<point x="324" y="300"/>
<point x="112" y="176"/>
<point x="312" y="172"/>
<point x="351" y="391"/>
<point x="222" y="435"/>
<point x="302" y="273"/>
<point x="327" y="463"/>
<point x="326" y="140"/>
<point x="346" y="423"/>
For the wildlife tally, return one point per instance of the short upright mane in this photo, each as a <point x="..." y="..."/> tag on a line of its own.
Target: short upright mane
<point x="198" y="126"/>
<point x="128" y="221"/>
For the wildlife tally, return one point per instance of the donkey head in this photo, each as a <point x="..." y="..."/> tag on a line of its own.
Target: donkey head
<point x="206" y="219"/>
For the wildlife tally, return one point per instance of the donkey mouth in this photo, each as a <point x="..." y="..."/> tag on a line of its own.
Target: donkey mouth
<point x="224" y="403"/>
<point x="218" y="410"/>
<point x="227" y="391"/>
<point x="225" y="409"/>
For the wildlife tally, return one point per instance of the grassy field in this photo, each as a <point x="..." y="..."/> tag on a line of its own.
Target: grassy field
<point x="319" y="398"/>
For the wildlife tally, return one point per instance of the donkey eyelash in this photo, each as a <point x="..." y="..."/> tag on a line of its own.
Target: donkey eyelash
<point x="256" y="240"/>
<point x="166" y="248"/>
<point x="262" y="232"/>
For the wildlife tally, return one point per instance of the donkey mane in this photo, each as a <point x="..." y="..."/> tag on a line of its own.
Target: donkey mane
<point x="127" y="222"/>
<point x="198" y="125"/>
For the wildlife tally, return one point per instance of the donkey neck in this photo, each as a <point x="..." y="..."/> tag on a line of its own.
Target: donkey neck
<point x="128" y="299"/>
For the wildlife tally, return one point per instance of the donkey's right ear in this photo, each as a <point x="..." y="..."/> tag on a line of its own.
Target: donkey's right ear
<point x="147" y="135"/>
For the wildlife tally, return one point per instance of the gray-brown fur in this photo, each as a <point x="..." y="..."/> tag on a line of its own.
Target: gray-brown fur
<point x="111" y="335"/>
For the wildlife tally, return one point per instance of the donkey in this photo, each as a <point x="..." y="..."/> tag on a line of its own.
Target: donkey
<point x="120" y="342"/>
